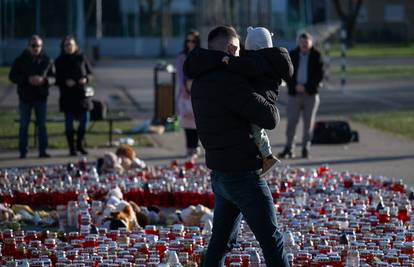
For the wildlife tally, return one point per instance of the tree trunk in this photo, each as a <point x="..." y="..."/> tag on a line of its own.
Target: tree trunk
<point x="350" y="28"/>
<point x="165" y="26"/>
<point x="349" y="19"/>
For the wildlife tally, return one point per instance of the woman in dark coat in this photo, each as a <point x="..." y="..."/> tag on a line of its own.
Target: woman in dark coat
<point x="73" y="73"/>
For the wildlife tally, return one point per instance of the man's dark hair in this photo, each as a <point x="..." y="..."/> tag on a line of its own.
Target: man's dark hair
<point x="34" y="37"/>
<point x="219" y="37"/>
<point x="306" y="36"/>
<point x="66" y="38"/>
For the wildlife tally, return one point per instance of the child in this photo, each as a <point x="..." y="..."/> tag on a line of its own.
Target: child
<point x="266" y="67"/>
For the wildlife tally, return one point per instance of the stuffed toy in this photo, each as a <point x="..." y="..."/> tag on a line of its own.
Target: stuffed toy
<point x="128" y="158"/>
<point x="105" y="216"/>
<point x="196" y="215"/>
<point x="111" y="163"/>
<point x="125" y="213"/>
<point x="6" y="213"/>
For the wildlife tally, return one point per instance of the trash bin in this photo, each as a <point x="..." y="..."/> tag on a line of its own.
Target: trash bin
<point x="164" y="92"/>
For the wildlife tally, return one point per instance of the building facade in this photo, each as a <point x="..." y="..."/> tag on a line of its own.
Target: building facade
<point x="382" y="20"/>
<point x="144" y="28"/>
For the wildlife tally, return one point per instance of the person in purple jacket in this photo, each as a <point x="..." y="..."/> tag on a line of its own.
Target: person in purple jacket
<point x="184" y="107"/>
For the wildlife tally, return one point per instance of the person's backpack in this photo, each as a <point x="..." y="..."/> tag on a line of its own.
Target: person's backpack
<point x="333" y="132"/>
<point x="99" y="110"/>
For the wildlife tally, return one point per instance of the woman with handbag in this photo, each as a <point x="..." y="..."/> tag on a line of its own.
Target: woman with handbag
<point x="73" y="74"/>
<point x="184" y="107"/>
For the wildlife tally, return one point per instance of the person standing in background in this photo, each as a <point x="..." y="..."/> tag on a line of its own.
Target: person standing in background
<point x="73" y="74"/>
<point x="33" y="72"/>
<point x="303" y="94"/>
<point x="184" y="107"/>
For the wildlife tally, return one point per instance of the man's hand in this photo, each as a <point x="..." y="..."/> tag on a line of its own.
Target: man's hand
<point x="36" y="80"/>
<point x="188" y="85"/>
<point x="225" y="59"/>
<point x="32" y="80"/>
<point x="300" y="88"/>
<point x="82" y="81"/>
<point x="185" y="93"/>
<point x="70" y="83"/>
<point x="40" y="80"/>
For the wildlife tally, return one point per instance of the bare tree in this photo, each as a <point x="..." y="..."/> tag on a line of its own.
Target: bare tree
<point x="165" y="31"/>
<point x="160" y="22"/>
<point x="147" y="11"/>
<point x="349" y="19"/>
<point x="239" y="13"/>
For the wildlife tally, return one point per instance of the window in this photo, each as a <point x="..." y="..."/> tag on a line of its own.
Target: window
<point x="363" y="14"/>
<point x="394" y="13"/>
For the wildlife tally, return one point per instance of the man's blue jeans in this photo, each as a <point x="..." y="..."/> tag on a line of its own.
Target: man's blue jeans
<point x="243" y="194"/>
<point x="25" y="109"/>
<point x="83" y="121"/>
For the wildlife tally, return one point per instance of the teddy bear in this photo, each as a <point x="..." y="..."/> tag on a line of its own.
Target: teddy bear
<point x="196" y="215"/>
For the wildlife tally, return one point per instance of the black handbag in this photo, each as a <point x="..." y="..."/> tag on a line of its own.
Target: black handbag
<point x="333" y="132"/>
<point x="99" y="110"/>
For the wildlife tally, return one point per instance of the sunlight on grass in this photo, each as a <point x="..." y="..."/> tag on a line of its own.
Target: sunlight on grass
<point x="97" y="136"/>
<point x="396" y="122"/>
<point x="4" y="76"/>
<point x="382" y="70"/>
<point x="376" y="50"/>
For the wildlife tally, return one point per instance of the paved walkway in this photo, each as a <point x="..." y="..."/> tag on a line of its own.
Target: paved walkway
<point x="128" y="84"/>
<point x="377" y="153"/>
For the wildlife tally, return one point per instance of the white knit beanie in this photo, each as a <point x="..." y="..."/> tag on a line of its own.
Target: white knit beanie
<point x="258" y="38"/>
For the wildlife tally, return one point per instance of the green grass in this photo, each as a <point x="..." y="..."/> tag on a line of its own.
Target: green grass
<point x="4" y="76"/>
<point x="96" y="137"/>
<point x="382" y="70"/>
<point x="376" y="50"/>
<point x="397" y="122"/>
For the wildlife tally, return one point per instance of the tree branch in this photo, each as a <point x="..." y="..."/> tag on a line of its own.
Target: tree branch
<point x="357" y="9"/>
<point x="339" y="10"/>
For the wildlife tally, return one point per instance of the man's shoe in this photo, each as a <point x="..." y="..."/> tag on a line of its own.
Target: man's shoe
<point x="192" y="153"/>
<point x="305" y="153"/>
<point x="44" y="155"/>
<point x="82" y="151"/>
<point x="287" y="153"/>
<point x="269" y="163"/>
<point x="22" y="156"/>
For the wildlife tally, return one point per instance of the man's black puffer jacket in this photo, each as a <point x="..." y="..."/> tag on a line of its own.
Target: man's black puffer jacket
<point x="225" y="105"/>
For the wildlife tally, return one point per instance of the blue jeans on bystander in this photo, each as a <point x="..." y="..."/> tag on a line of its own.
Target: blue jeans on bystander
<point x="83" y="121"/>
<point x="25" y="110"/>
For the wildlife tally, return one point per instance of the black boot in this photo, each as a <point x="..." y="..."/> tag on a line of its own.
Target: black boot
<point x="286" y="153"/>
<point x="305" y="153"/>
<point x="71" y="143"/>
<point x="79" y="142"/>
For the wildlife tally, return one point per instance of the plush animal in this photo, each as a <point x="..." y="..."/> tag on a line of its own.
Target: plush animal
<point x="128" y="158"/>
<point x="124" y="212"/>
<point x="196" y="215"/>
<point x="115" y="192"/>
<point x="111" y="163"/>
<point x="105" y="216"/>
<point x="6" y="213"/>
